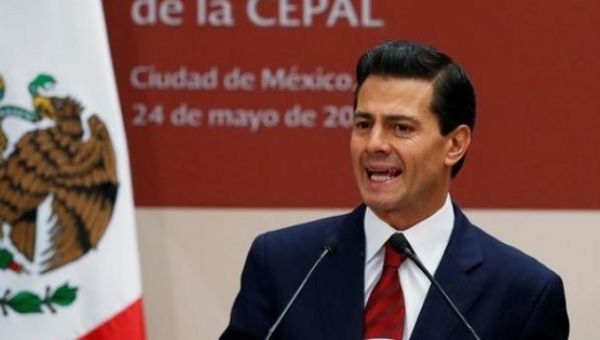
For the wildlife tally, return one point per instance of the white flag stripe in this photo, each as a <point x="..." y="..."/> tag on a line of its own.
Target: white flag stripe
<point x="67" y="40"/>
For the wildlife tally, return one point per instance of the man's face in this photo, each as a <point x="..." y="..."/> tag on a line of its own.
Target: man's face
<point x="401" y="161"/>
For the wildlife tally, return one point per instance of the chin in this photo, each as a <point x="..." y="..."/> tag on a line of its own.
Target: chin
<point x="380" y="204"/>
<point x="383" y="208"/>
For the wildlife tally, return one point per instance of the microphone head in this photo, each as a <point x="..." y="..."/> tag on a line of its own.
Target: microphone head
<point x="331" y="244"/>
<point x="399" y="242"/>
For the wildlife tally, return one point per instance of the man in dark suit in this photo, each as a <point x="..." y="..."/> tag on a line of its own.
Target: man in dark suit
<point x="414" y="115"/>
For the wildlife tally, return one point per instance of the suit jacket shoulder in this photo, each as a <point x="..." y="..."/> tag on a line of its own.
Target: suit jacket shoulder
<point x="503" y="292"/>
<point x="276" y="264"/>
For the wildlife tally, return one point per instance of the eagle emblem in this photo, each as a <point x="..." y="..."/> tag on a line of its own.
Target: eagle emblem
<point x="76" y="173"/>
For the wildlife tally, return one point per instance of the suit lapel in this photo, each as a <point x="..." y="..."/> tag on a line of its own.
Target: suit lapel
<point x="341" y="288"/>
<point x="455" y="274"/>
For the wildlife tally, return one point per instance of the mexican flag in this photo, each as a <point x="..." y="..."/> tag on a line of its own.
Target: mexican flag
<point x="68" y="254"/>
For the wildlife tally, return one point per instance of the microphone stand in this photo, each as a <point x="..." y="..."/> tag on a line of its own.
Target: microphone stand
<point x="326" y="251"/>
<point x="399" y="242"/>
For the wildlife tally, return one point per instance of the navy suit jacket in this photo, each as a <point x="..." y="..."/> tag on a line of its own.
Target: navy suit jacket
<point x="504" y="293"/>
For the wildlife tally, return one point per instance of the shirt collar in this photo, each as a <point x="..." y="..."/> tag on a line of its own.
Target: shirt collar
<point x="430" y="234"/>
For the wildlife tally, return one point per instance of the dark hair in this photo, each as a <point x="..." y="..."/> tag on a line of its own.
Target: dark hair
<point x="453" y="96"/>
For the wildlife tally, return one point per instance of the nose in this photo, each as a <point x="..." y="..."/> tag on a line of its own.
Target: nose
<point x="377" y="141"/>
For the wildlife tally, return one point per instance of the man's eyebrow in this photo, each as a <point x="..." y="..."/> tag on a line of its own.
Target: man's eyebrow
<point x="390" y="118"/>
<point x="362" y="114"/>
<point x="395" y="117"/>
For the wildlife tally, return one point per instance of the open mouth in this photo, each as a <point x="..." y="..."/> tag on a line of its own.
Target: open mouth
<point x="383" y="175"/>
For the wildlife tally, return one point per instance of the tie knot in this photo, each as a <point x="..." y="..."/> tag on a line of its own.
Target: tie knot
<point x="392" y="257"/>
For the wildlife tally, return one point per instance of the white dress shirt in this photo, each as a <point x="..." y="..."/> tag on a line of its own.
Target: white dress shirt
<point x="428" y="239"/>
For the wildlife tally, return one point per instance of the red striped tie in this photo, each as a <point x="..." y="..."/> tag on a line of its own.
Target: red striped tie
<point x="384" y="315"/>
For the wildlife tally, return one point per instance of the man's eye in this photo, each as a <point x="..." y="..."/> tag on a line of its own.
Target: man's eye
<point x="361" y="124"/>
<point x="404" y="128"/>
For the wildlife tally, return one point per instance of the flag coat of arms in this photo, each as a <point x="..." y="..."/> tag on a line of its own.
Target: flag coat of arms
<point x="68" y="254"/>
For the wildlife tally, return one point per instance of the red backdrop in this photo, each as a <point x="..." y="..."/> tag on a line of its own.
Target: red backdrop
<point x="534" y="65"/>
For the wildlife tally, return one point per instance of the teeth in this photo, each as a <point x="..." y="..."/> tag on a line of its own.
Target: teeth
<point x="381" y="177"/>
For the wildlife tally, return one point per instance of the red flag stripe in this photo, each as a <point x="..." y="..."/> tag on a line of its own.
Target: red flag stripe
<point x="128" y="324"/>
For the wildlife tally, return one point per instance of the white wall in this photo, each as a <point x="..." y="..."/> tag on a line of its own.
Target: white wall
<point x="192" y="260"/>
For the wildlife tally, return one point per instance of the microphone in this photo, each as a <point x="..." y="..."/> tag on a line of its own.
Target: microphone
<point x="328" y="248"/>
<point x="399" y="242"/>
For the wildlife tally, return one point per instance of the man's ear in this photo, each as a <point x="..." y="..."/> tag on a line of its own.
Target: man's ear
<point x="458" y="143"/>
